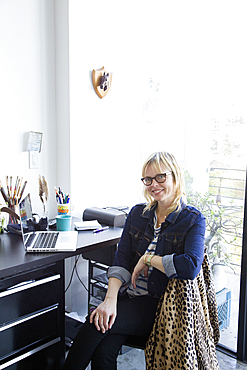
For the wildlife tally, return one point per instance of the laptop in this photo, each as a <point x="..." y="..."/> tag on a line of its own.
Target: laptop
<point x="43" y="241"/>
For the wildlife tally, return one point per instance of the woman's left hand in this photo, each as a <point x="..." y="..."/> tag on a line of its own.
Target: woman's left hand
<point x="140" y="266"/>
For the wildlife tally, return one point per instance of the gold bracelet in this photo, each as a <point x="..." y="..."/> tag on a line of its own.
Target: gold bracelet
<point x="145" y="258"/>
<point x="148" y="262"/>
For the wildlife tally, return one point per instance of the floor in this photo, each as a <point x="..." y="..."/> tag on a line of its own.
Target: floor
<point x="134" y="360"/>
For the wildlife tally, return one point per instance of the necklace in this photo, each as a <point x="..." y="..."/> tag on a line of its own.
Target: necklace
<point x="159" y="223"/>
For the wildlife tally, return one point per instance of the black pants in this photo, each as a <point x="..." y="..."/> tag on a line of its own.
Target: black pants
<point x="135" y="316"/>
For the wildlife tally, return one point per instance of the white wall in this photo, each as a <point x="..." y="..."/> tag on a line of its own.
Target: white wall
<point x="175" y="65"/>
<point x="62" y="94"/>
<point x="111" y="137"/>
<point x="30" y="37"/>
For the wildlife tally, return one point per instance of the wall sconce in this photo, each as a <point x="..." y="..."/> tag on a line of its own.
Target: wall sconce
<point x="101" y="81"/>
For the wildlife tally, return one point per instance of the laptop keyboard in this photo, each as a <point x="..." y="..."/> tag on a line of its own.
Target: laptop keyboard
<point x="43" y="241"/>
<point x="28" y="239"/>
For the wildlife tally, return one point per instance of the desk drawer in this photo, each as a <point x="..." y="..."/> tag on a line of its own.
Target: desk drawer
<point x="27" y="330"/>
<point x="28" y="297"/>
<point x="44" y="357"/>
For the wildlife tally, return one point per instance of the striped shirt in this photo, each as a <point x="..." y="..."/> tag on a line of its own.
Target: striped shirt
<point x="142" y="281"/>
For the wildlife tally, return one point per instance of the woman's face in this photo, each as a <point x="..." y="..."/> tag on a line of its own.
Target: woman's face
<point x="161" y="192"/>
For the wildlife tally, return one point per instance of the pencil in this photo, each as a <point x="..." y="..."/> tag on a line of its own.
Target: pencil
<point x="22" y="190"/>
<point x="19" y="188"/>
<point x="7" y="183"/>
<point x="10" y="185"/>
<point x="4" y="194"/>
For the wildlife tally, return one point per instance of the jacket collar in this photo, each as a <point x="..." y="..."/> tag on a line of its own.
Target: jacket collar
<point x="172" y="217"/>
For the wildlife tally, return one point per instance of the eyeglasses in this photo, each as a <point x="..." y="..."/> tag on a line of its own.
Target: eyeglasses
<point x="161" y="177"/>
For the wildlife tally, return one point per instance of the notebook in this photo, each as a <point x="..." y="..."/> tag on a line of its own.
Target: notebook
<point x="87" y="225"/>
<point x="43" y="241"/>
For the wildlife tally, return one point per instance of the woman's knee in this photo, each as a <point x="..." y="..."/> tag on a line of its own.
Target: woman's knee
<point x="105" y="355"/>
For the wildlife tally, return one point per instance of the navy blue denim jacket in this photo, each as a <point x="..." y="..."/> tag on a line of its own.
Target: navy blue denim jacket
<point x="181" y="243"/>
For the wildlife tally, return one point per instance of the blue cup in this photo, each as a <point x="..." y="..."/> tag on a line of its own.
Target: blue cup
<point x="63" y="222"/>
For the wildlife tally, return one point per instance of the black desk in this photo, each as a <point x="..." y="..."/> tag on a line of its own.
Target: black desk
<point x="41" y="298"/>
<point x="14" y="260"/>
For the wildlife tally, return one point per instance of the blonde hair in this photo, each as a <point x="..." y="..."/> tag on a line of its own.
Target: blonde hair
<point x="158" y="160"/>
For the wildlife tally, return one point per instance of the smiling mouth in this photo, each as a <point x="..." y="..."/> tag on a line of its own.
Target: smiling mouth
<point x="157" y="191"/>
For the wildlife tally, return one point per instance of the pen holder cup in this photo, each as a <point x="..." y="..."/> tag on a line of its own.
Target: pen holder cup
<point x="63" y="209"/>
<point x="63" y="222"/>
<point x="13" y="211"/>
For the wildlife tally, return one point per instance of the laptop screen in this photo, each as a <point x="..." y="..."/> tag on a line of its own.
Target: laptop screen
<point x="28" y="223"/>
<point x="26" y="218"/>
<point x="25" y="209"/>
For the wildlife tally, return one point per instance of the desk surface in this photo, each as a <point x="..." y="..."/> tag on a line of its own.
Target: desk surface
<point x="14" y="259"/>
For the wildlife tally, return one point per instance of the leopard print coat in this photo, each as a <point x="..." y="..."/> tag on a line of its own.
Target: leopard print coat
<point x="186" y="327"/>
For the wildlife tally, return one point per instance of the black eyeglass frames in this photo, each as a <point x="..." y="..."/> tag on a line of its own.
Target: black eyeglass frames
<point x="160" y="177"/>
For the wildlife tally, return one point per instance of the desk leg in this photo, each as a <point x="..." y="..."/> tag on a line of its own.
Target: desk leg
<point x="62" y="312"/>
<point x="89" y="281"/>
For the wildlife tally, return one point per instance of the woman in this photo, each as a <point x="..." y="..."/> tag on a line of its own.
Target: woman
<point x="162" y="239"/>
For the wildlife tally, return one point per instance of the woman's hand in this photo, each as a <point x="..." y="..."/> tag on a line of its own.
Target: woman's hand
<point x="104" y="315"/>
<point x="140" y="266"/>
<point x="155" y="262"/>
